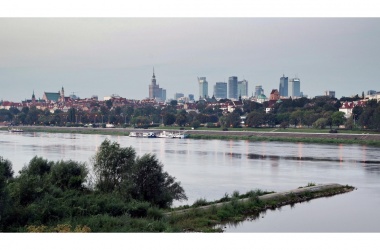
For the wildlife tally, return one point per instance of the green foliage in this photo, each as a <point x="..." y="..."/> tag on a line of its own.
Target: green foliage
<point x="151" y="184"/>
<point x="200" y="202"/>
<point x="112" y="166"/>
<point x="320" y="123"/>
<point x="255" y="119"/>
<point x="6" y="174"/>
<point x="195" y="124"/>
<point x="338" y="118"/>
<point x="169" y="119"/>
<point x="69" y="174"/>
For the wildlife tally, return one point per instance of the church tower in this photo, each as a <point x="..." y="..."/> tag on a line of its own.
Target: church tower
<point x="33" y="98"/>
<point x="62" y="95"/>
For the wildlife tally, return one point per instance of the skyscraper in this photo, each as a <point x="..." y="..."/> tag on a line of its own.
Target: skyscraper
<point x="203" y="87"/>
<point x="155" y="92"/>
<point x="220" y="90"/>
<point x="242" y="88"/>
<point x="283" y="86"/>
<point x="178" y="95"/>
<point x="295" y="84"/>
<point x="232" y="87"/>
<point x="259" y="90"/>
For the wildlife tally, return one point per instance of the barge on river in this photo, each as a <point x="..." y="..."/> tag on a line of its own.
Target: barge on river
<point x="163" y="134"/>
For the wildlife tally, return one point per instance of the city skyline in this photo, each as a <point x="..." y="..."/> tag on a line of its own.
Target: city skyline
<point x="116" y="55"/>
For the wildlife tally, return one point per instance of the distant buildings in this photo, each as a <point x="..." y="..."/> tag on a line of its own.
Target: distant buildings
<point x="283" y="89"/>
<point x="295" y="84"/>
<point x="371" y="92"/>
<point x="274" y="95"/>
<point x="155" y="92"/>
<point x="233" y="87"/>
<point x="242" y="88"/>
<point x="330" y="93"/>
<point x="203" y="87"/>
<point x="259" y="91"/>
<point x="220" y="90"/>
<point x="178" y="95"/>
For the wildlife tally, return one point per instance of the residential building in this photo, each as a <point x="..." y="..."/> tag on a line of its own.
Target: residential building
<point x="203" y="87"/>
<point x="374" y="96"/>
<point x="283" y="89"/>
<point x="274" y="95"/>
<point x="232" y="87"/>
<point x="220" y="90"/>
<point x="347" y="107"/>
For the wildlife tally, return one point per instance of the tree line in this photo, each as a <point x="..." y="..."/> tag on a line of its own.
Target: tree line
<point x="64" y="192"/>
<point x="319" y="112"/>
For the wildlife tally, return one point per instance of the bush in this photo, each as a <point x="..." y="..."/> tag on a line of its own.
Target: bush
<point x="200" y="202"/>
<point x="138" y="209"/>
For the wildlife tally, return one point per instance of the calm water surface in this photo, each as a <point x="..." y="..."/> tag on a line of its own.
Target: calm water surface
<point x="210" y="168"/>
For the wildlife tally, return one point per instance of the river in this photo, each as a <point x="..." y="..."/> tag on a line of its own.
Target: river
<point x="211" y="168"/>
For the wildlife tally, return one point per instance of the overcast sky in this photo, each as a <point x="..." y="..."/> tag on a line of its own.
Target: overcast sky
<point x="104" y="56"/>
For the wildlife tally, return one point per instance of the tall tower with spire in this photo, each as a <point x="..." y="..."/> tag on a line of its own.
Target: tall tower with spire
<point x="33" y="98"/>
<point x="155" y="92"/>
<point x="62" y="95"/>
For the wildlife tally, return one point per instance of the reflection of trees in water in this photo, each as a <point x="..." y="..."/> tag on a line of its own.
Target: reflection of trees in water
<point x="372" y="169"/>
<point x="234" y="155"/>
<point x="296" y="158"/>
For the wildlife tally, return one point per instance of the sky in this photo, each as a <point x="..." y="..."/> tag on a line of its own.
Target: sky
<point x="105" y="56"/>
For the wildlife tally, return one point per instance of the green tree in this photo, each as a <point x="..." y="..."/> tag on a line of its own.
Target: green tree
<point x="112" y="165"/>
<point x="349" y="124"/>
<point x="169" y="118"/>
<point x="6" y="173"/>
<point x="296" y="117"/>
<point x="195" y="124"/>
<point x="255" y="119"/>
<point x="320" y="123"/>
<point x="181" y="120"/>
<point x="109" y="104"/>
<point x="71" y="115"/>
<point x="338" y="118"/>
<point x="151" y="184"/>
<point x="69" y="175"/>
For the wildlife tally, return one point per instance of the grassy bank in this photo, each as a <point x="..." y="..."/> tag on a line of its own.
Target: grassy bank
<point x="202" y="216"/>
<point x="375" y="143"/>
<point x="211" y="219"/>
<point x="70" y="130"/>
<point x="207" y="134"/>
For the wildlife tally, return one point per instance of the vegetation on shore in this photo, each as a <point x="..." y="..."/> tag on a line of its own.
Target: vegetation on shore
<point x="305" y="139"/>
<point x="225" y="136"/>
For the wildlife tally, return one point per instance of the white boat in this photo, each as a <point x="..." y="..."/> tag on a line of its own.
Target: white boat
<point x="139" y="134"/>
<point x="15" y="130"/>
<point x="180" y="136"/>
<point x="165" y="134"/>
<point x="150" y="135"/>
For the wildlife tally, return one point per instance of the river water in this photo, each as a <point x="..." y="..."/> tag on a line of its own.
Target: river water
<point x="211" y="168"/>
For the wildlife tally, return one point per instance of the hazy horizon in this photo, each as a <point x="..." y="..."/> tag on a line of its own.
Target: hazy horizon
<point x="105" y="56"/>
